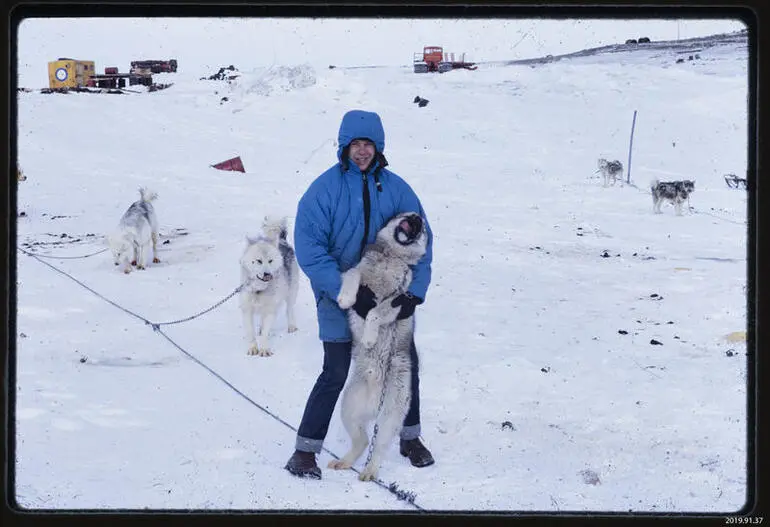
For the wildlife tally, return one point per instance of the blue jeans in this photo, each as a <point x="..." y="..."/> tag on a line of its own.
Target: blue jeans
<point x="323" y="397"/>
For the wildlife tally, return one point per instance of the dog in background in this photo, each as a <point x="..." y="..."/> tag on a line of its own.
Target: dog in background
<point x="674" y="192"/>
<point x="610" y="170"/>
<point x="269" y="270"/>
<point x="20" y="175"/>
<point x="137" y="230"/>
<point x="381" y="343"/>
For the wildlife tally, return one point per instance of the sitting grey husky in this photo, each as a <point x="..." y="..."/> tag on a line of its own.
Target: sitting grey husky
<point x="269" y="270"/>
<point x="380" y="342"/>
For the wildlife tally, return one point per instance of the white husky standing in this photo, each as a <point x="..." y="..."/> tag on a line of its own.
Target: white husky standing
<point x="137" y="229"/>
<point x="610" y="170"/>
<point x="269" y="267"/>
<point x="380" y="339"/>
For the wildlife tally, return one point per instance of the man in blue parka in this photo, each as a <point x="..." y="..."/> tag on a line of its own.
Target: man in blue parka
<point x="339" y="214"/>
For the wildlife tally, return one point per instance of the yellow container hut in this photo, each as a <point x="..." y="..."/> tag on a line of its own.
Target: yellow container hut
<point x="69" y="73"/>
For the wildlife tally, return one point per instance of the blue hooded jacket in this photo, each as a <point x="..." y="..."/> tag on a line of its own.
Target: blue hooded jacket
<point x="329" y="227"/>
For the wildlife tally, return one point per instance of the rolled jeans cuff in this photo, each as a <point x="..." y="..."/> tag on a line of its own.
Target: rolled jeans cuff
<point x="305" y="444"/>
<point x="410" y="432"/>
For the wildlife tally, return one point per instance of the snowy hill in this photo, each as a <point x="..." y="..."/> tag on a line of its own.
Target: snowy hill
<point x="729" y="42"/>
<point x="542" y="387"/>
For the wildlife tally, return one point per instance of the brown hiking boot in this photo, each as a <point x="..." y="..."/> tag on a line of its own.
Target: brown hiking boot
<point x="418" y="455"/>
<point x="303" y="465"/>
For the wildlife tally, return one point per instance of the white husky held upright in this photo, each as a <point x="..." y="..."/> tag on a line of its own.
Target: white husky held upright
<point x="381" y="343"/>
<point x="269" y="269"/>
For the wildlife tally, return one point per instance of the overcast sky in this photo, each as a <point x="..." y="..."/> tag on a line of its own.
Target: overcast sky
<point x="246" y="43"/>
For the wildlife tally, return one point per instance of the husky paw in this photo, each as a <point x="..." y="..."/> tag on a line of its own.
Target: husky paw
<point x="292" y="328"/>
<point x="369" y="473"/>
<point x="338" y="464"/>
<point x="141" y="267"/>
<point x="133" y="262"/>
<point x="127" y="270"/>
<point x="156" y="260"/>
<point x="346" y="300"/>
<point x="260" y="352"/>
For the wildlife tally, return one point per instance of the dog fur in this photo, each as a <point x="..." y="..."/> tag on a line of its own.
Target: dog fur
<point x="674" y="192"/>
<point x="137" y="229"/>
<point x="380" y="339"/>
<point x="269" y="269"/>
<point x="610" y="170"/>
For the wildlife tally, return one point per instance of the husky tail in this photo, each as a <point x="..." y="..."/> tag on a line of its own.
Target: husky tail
<point x="275" y="227"/>
<point x="655" y="193"/>
<point x="147" y="194"/>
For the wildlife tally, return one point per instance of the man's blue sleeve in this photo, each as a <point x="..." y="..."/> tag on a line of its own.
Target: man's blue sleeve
<point x="421" y="271"/>
<point x="311" y="241"/>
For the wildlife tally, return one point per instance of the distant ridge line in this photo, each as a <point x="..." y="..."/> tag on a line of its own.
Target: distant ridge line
<point x="683" y="44"/>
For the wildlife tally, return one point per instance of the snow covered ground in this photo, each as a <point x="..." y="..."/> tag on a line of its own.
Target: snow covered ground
<point x="547" y="290"/>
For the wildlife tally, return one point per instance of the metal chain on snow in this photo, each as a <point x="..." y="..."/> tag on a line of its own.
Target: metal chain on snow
<point x="37" y="257"/>
<point x="696" y="211"/>
<point x="65" y="257"/>
<point x="237" y="290"/>
<point x="155" y="325"/>
<point x="692" y="209"/>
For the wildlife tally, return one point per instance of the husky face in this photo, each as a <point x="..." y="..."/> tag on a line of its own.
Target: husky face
<point x="614" y="167"/>
<point x="261" y="261"/>
<point x="122" y="250"/>
<point x="404" y="235"/>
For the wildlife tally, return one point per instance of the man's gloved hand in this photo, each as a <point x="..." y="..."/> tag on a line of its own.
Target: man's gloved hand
<point x="365" y="301"/>
<point x="408" y="302"/>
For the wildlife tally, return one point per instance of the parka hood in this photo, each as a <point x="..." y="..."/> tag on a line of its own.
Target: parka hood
<point x="360" y="124"/>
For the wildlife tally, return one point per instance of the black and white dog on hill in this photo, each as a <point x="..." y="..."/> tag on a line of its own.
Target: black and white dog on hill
<point x="611" y="171"/>
<point x="674" y="192"/>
